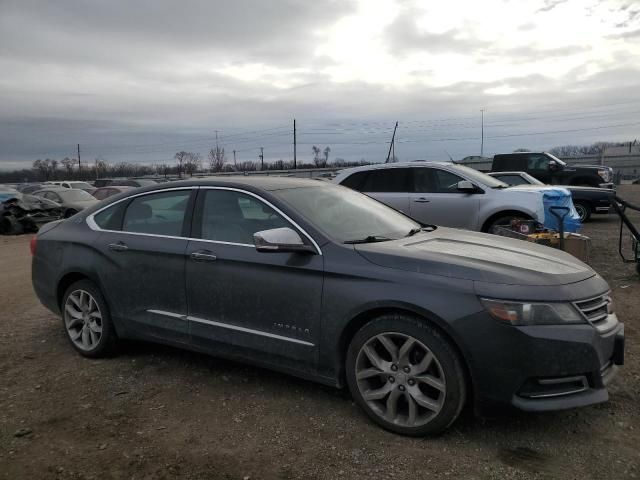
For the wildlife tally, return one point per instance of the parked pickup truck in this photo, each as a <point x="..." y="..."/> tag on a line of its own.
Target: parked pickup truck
<point x="551" y="170"/>
<point x="587" y="200"/>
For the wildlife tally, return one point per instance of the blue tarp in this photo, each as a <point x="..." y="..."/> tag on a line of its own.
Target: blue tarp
<point x="560" y="197"/>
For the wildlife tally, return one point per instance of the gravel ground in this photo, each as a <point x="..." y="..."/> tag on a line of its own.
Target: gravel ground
<point x="156" y="412"/>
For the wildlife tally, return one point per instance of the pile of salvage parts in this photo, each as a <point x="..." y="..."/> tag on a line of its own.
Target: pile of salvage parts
<point x="574" y="243"/>
<point x="26" y="213"/>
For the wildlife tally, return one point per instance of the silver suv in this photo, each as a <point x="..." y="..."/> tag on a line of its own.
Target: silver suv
<point x="446" y="194"/>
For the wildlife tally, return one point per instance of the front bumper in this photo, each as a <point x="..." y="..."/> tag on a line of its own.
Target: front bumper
<point x="540" y="368"/>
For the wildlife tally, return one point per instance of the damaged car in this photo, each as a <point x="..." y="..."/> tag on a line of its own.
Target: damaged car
<point x="21" y="213"/>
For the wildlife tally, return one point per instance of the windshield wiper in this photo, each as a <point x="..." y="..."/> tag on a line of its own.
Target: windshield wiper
<point x="413" y="231"/>
<point x="369" y="239"/>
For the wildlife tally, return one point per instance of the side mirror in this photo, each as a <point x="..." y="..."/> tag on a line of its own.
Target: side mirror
<point x="280" y="240"/>
<point x="466" y="186"/>
<point x="553" y="165"/>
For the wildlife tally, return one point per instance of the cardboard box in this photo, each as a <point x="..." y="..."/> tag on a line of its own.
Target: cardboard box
<point x="578" y="245"/>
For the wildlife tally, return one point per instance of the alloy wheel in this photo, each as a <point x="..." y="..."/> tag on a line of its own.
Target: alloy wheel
<point x="400" y="379"/>
<point x="83" y="320"/>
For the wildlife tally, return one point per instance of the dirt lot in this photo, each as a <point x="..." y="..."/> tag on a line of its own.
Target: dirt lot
<point x="156" y="412"/>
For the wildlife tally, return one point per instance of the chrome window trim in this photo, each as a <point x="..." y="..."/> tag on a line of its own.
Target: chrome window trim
<point x="94" y="226"/>
<point x="263" y="200"/>
<point x="231" y="327"/>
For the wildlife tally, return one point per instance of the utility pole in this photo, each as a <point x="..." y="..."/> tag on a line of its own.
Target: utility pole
<point x="294" y="145"/>
<point x="261" y="158"/>
<point x="482" y="138"/>
<point x="393" y="137"/>
<point x="79" y="169"/>
<point x="235" y="165"/>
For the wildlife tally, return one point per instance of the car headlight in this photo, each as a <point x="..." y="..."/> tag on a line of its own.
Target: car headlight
<point x="525" y="313"/>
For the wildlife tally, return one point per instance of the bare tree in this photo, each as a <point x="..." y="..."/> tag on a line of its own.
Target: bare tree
<point x="216" y="159"/>
<point x="181" y="157"/>
<point x="326" y="152"/>
<point x="54" y="168"/>
<point x="192" y="163"/>
<point x="68" y="164"/>
<point x="316" y="156"/>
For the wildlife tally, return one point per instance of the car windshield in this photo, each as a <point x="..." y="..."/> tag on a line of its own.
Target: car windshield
<point x="530" y="179"/>
<point x="346" y="215"/>
<point x="80" y="185"/>
<point x="145" y="182"/>
<point x="74" y="195"/>
<point x="479" y="177"/>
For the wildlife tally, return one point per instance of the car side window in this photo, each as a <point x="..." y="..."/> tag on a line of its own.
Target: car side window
<point x="157" y="213"/>
<point x="110" y="218"/>
<point x="387" y="180"/>
<point x="445" y="182"/>
<point x="537" y="162"/>
<point x="355" y="181"/>
<point x="230" y="216"/>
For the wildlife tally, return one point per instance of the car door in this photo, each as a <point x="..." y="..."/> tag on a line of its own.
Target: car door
<point x="143" y="244"/>
<point x="265" y="304"/>
<point x="436" y="200"/>
<point x="389" y="186"/>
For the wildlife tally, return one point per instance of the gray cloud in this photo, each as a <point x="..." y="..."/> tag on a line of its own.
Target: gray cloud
<point x="404" y="37"/>
<point x="136" y="81"/>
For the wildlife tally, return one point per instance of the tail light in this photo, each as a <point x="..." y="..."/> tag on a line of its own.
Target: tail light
<point x="32" y="245"/>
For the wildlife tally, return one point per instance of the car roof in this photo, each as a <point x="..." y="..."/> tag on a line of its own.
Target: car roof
<point x="262" y="182"/>
<point x="382" y="166"/>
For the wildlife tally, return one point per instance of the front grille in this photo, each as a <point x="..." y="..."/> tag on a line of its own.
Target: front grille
<point x="598" y="312"/>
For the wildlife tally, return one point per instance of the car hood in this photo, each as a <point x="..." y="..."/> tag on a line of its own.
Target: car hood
<point x="479" y="257"/>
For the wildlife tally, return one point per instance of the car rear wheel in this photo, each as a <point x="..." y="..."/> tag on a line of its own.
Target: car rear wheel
<point x="583" y="211"/>
<point x="87" y="320"/>
<point x="405" y="375"/>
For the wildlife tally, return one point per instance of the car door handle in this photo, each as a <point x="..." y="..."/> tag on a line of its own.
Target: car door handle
<point x="203" y="256"/>
<point x="421" y="200"/>
<point x="118" y="247"/>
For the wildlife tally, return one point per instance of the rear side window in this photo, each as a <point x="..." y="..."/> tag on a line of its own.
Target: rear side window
<point x="355" y="181"/>
<point x="110" y="218"/>
<point x="387" y="180"/>
<point x="157" y="213"/>
<point x="510" y="162"/>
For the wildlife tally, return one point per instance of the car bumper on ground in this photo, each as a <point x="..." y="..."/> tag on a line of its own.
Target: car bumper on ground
<point x="540" y="368"/>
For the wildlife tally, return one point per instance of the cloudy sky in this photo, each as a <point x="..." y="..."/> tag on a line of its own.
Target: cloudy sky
<point x="139" y="80"/>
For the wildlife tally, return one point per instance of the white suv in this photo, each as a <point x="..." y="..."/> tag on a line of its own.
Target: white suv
<point x="446" y="194"/>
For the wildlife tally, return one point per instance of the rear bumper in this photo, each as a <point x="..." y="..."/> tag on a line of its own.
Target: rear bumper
<point x="541" y="368"/>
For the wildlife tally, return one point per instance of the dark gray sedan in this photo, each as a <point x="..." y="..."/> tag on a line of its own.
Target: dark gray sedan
<point x="322" y="282"/>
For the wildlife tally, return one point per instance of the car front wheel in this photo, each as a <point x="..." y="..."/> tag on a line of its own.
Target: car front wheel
<point x="87" y="320"/>
<point x="405" y="375"/>
<point x="583" y="211"/>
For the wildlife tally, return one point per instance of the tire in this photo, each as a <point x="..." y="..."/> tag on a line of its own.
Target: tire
<point x="87" y="321"/>
<point x="584" y="210"/>
<point x="503" y="221"/>
<point x="434" y="389"/>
